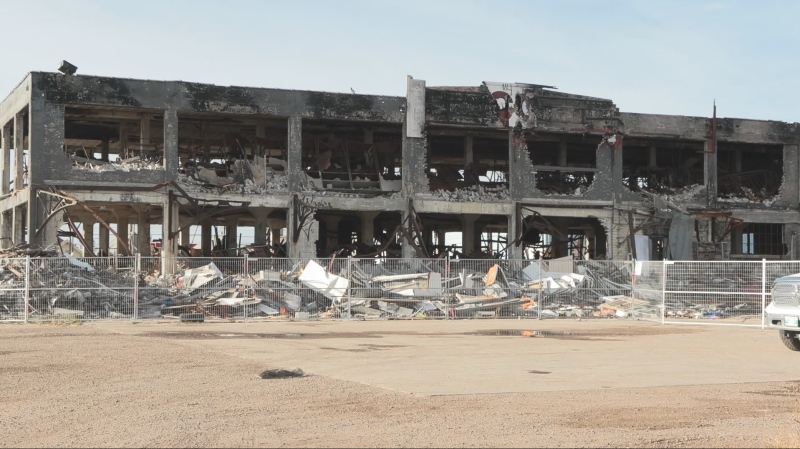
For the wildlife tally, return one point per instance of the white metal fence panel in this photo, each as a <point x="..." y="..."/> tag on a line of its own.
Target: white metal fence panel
<point x="720" y="292"/>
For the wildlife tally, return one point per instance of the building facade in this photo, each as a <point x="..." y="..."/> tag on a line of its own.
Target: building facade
<point x="498" y="170"/>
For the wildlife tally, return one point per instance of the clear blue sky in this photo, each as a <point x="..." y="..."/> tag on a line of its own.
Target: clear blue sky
<point x="653" y="56"/>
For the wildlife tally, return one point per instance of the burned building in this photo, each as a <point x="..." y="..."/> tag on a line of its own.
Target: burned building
<point x="493" y="171"/>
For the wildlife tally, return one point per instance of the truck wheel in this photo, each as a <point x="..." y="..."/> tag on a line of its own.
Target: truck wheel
<point x="789" y="338"/>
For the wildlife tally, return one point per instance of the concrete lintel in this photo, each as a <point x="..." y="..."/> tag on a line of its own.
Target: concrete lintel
<point x="445" y="207"/>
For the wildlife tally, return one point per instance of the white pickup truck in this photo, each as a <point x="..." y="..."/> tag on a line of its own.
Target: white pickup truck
<point x="783" y="312"/>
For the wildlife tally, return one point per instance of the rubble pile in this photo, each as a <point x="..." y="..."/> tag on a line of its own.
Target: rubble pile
<point x="67" y="287"/>
<point x="474" y="193"/>
<point x="368" y="289"/>
<point x="124" y="165"/>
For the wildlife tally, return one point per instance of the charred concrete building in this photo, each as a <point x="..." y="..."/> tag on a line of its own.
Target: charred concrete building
<point x="496" y="170"/>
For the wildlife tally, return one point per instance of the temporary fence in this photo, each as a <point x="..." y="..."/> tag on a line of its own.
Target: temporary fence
<point x="242" y="288"/>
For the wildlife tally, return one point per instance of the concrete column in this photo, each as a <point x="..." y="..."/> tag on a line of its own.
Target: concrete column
<point x="737" y="161"/>
<point x="104" y="241"/>
<point x="45" y="141"/>
<point x="260" y="228"/>
<point x="295" y="154"/>
<point x="6" y="228"/>
<point x="407" y="251"/>
<point x="19" y="150"/>
<point x="468" y="233"/>
<point x="144" y="133"/>
<point x="171" y="158"/>
<point x="18" y="230"/>
<point x="5" y="160"/>
<point x="169" y="224"/>
<point x="123" y="140"/>
<point x="368" y="136"/>
<point x="275" y="235"/>
<point x="469" y="154"/>
<point x="652" y="160"/>
<point x="514" y="251"/>
<point x="562" y="153"/>
<point x="789" y="193"/>
<point x="261" y="132"/>
<point x="306" y="245"/>
<point x="616" y="169"/>
<point x="368" y="226"/>
<point x="143" y="232"/>
<point x="710" y="172"/>
<point x="414" y="178"/>
<point x="186" y="234"/>
<point x="231" y="233"/>
<point x="205" y="237"/>
<point x="88" y="237"/>
<point x="122" y="231"/>
<point x="105" y="148"/>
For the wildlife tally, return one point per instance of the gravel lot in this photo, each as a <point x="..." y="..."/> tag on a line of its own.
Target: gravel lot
<point x="600" y="383"/>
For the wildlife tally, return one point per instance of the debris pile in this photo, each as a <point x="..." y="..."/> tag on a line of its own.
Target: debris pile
<point x="368" y="289"/>
<point x="474" y="193"/>
<point x="125" y="165"/>
<point x="67" y="288"/>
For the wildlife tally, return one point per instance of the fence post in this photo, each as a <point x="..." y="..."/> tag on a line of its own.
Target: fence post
<point x="445" y="288"/>
<point x="27" y="285"/>
<point x="247" y="277"/>
<point x="539" y="292"/>
<point x="633" y="287"/>
<point x="763" y="292"/>
<point x="137" y="272"/>
<point x="663" y="291"/>
<point x="349" y="286"/>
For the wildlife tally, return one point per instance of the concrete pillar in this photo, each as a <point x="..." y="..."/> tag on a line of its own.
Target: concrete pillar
<point x="45" y="141"/>
<point x="616" y="168"/>
<point x="789" y="193"/>
<point x="562" y="153"/>
<point x="88" y="237"/>
<point x="295" y="154"/>
<point x="260" y="228"/>
<point x="305" y="246"/>
<point x="368" y="227"/>
<point x="407" y="251"/>
<point x="144" y="133"/>
<point x="123" y="140"/>
<point x="5" y="160"/>
<point x="6" y="228"/>
<point x="368" y="136"/>
<point x="186" y="234"/>
<point x="468" y="233"/>
<point x="143" y="232"/>
<point x="169" y="224"/>
<point x="469" y="153"/>
<point x="103" y="241"/>
<point x="231" y="233"/>
<point x="105" y="143"/>
<point x="19" y="150"/>
<point x="514" y="251"/>
<point x="275" y="235"/>
<point x="171" y="158"/>
<point x="18" y="227"/>
<point x="737" y="161"/>
<point x="122" y="230"/>
<point x="414" y="178"/>
<point x="261" y="132"/>
<point x="652" y="160"/>
<point x="205" y="237"/>
<point x="710" y="172"/>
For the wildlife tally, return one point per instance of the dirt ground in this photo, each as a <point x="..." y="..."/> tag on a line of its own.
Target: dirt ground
<point x="501" y="383"/>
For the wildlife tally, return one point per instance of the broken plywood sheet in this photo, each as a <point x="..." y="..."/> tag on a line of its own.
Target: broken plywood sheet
<point x="316" y="278"/>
